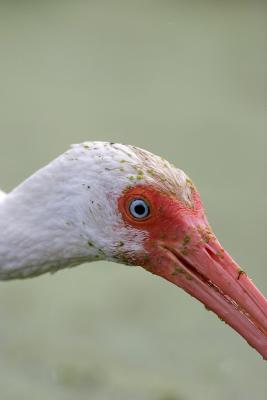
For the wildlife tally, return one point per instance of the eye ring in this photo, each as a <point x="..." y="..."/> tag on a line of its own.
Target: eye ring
<point x="139" y="208"/>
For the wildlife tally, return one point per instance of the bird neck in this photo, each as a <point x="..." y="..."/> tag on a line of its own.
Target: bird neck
<point x="29" y="246"/>
<point x="39" y="229"/>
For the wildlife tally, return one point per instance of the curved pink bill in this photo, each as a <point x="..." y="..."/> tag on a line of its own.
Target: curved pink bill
<point x="208" y="273"/>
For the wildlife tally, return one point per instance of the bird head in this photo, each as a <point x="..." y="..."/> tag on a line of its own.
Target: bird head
<point x="124" y="204"/>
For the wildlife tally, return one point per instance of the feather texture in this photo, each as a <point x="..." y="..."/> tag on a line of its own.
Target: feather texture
<point x="67" y="212"/>
<point x="2" y="195"/>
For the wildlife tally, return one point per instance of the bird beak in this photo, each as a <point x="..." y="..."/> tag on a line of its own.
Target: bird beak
<point x="196" y="262"/>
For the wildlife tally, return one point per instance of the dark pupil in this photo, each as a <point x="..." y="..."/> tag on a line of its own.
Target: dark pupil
<point x="139" y="209"/>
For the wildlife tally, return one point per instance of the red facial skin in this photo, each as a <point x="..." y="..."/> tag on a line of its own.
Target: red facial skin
<point x="182" y="248"/>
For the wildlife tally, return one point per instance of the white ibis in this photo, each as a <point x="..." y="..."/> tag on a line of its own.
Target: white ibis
<point x="120" y="203"/>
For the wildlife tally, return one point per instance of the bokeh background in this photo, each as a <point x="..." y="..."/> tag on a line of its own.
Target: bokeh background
<point x="183" y="79"/>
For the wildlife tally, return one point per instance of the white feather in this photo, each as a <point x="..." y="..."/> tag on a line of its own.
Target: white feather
<point x="2" y="195"/>
<point x="67" y="213"/>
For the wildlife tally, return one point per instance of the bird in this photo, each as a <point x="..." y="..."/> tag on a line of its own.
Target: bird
<point x="120" y="203"/>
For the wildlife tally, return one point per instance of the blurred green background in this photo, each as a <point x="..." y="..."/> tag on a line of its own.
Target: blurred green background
<point x="183" y="79"/>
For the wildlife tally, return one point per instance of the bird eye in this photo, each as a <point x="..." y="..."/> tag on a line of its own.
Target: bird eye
<point x="139" y="208"/>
